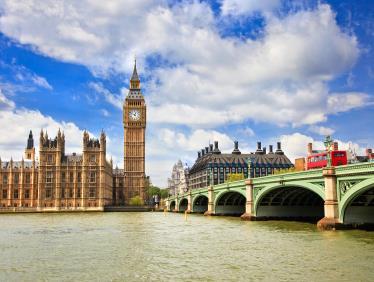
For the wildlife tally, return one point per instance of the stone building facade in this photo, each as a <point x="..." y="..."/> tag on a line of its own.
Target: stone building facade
<point x="134" y="124"/>
<point x="178" y="181"/>
<point x="58" y="181"/>
<point x="76" y="182"/>
<point x="214" y="167"/>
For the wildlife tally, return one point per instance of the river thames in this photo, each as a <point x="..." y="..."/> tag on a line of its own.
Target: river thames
<point x="165" y="247"/>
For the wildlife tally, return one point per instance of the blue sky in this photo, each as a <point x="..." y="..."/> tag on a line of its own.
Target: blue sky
<point x="225" y="70"/>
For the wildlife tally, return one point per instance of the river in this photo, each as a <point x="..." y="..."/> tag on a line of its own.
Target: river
<point x="166" y="247"/>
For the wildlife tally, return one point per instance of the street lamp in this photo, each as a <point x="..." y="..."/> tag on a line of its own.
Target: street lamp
<point x="328" y="143"/>
<point x="249" y="165"/>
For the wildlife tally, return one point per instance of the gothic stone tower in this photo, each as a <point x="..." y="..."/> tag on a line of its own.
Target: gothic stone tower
<point x="134" y="122"/>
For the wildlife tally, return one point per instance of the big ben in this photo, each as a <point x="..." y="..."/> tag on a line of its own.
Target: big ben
<point x="134" y="122"/>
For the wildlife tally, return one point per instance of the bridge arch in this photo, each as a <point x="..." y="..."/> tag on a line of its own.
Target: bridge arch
<point x="172" y="205"/>
<point x="200" y="204"/>
<point x="357" y="205"/>
<point x="230" y="202"/>
<point x="183" y="205"/>
<point x="303" y="201"/>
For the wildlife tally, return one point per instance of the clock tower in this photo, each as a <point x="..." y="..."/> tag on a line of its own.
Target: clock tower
<point x="134" y="122"/>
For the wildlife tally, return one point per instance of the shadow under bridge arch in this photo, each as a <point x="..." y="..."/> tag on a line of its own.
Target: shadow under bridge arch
<point x="230" y="203"/>
<point x="200" y="204"/>
<point x="172" y="206"/>
<point x="183" y="205"/>
<point x="357" y="206"/>
<point x="290" y="203"/>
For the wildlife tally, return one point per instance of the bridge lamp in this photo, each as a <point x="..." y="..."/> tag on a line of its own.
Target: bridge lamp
<point x="328" y="143"/>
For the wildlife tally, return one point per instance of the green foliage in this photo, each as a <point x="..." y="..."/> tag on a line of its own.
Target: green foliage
<point x="153" y="190"/>
<point x="285" y="170"/>
<point x="136" y="201"/>
<point x="164" y="193"/>
<point x="234" y="177"/>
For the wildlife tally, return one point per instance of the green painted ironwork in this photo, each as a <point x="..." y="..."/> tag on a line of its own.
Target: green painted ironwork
<point x="352" y="180"/>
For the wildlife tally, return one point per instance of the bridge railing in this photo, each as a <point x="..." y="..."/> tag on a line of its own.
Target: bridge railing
<point x="355" y="168"/>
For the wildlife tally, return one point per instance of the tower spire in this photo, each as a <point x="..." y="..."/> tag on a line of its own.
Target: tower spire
<point x="135" y="81"/>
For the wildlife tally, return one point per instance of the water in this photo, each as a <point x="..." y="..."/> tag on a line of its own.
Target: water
<point x="159" y="247"/>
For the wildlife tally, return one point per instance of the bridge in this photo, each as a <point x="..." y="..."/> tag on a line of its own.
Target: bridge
<point x="335" y="196"/>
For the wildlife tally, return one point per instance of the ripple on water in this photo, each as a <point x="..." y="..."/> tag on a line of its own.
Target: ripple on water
<point x="154" y="246"/>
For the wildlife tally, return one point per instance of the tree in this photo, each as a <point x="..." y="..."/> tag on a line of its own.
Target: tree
<point x="164" y="193"/>
<point x="153" y="190"/>
<point x="136" y="201"/>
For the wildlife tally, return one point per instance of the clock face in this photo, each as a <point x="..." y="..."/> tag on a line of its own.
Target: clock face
<point x="134" y="115"/>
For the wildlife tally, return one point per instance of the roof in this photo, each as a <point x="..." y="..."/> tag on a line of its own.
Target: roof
<point x="17" y="164"/>
<point x="135" y="94"/>
<point x="257" y="160"/>
<point x="135" y="76"/>
<point x="118" y="172"/>
<point x="72" y="158"/>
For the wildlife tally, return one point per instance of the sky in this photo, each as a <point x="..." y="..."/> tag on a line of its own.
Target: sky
<point x="225" y="70"/>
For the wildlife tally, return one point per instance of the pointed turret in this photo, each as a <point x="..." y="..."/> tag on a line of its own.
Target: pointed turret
<point x="30" y="141"/>
<point x="30" y="150"/>
<point x="135" y="81"/>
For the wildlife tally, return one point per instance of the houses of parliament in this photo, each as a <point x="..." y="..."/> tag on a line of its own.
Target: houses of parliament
<point x="79" y="182"/>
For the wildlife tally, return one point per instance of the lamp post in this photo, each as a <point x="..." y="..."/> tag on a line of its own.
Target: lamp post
<point x="328" y="142"/>
<point x="249" y="164"/>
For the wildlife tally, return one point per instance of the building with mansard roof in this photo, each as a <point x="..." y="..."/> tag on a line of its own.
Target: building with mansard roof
<point x="214" y="167"/>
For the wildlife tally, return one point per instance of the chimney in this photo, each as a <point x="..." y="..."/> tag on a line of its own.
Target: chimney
<point x="270" y="149"/>
<point x="310" y="149"/>
<point x="236" y="148"/>
<point x="264" y="150"/>
<point x="206" y="150"/>
<point x="279" y="149"/>
<point x="336" y="146"/>
<point x="202" y="152"/>
<point x="210" y="148"/>
<point x="216" y="150"/>
<point x="259" y="150"/>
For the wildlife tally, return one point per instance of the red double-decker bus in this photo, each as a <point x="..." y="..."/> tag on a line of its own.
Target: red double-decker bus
<point x="319" y="160"/>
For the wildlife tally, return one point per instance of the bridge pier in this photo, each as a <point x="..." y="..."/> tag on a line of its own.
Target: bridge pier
<point x="331" y="220"/>
<point x="210" y="210"/>
<point x="189" y="204"/>
<point x="248" y="215"/>
<point x="176" y="209"/>
<point x="167" y="204"/>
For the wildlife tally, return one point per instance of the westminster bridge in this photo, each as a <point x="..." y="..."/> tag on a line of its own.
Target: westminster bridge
<point x="336" y="196"/>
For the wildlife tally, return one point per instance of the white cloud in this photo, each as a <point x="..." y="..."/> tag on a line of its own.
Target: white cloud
<point x="41" y="81"/>
<point x="5" y="103"/>
<point x="197" y="140"/>
<point x="342" y="102"/>
<point x="111" y="98"/>
<point x="321" y="130"/>
<point x="248" y="132"/>
<point x="295" y="145"/>
<point x="26" y="79"/>
<point x="105" y="113"/>
<point x="242" y="7"/>
<point x="165" y="146"/>
<point x="16" y="123"/>
<point x="215" y="80"/>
